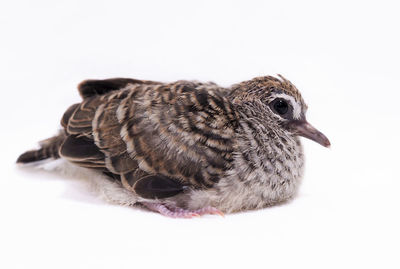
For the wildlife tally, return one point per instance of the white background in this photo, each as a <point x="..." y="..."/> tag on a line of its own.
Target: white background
<point x="342" y="55"/>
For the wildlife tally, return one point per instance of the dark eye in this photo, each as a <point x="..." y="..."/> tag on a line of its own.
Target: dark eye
<point x="281" y="106"/>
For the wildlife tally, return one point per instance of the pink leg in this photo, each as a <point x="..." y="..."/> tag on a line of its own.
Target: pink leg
<point x="180" y="212"/>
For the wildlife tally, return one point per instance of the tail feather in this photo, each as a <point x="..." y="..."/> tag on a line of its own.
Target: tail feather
<point x="49" y="149"/>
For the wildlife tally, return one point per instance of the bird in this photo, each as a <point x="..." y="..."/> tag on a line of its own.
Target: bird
<point x="189" y="148"/>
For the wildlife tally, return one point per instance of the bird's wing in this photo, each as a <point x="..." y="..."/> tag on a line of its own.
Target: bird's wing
<point x="158" y="137"/>
<point x="93" y="131"/>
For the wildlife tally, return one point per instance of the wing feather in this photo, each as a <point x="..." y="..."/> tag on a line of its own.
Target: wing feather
<point x="182" y="132"/>
<point x="93" y="87"/>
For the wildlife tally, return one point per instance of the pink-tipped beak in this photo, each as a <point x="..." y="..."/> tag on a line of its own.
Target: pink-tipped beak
<point x="303" y="128"/>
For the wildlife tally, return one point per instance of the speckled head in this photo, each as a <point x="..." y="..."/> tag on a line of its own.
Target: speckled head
<point x="279" y="101"/>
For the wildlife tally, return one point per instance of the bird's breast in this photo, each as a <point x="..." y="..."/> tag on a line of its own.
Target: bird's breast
<point x="260" y="177"/>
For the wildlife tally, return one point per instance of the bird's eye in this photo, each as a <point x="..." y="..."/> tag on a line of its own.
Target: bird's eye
<point x="280" y="106"/>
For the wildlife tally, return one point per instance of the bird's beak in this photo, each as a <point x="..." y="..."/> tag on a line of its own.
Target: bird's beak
<point x="303" y="128"/>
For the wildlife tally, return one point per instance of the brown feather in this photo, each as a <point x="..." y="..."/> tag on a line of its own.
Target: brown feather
<point x="179" y="130"/>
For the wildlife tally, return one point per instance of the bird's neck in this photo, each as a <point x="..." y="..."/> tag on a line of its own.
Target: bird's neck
<point x="262" y="142"/>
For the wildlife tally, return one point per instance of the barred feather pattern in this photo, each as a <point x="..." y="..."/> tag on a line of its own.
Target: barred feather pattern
<point x="182" y="130"/>
<point x="222" y="145"/>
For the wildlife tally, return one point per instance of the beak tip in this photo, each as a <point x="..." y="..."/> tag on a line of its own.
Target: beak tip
<point x="328" y="144"/>
<point x="324" y="141"/>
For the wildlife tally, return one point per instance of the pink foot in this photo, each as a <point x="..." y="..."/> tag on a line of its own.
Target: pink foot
<point x="177" y="212"/>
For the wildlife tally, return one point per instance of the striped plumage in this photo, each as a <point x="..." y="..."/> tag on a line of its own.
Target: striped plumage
<point x="187" y="145"/>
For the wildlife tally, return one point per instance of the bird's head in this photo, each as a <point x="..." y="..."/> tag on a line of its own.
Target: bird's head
<point x="279" y="103"/>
